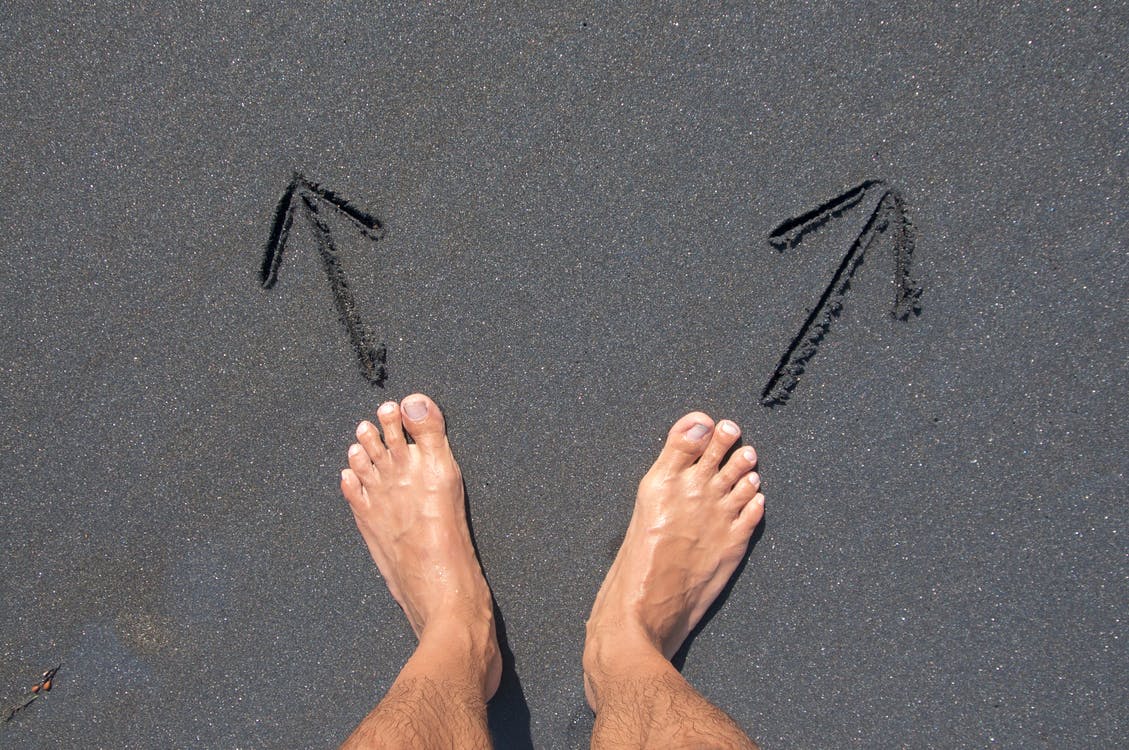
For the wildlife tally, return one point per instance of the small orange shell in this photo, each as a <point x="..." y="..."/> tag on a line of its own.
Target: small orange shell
<point x="35" y="688"/>
<point x="47" y="685"/>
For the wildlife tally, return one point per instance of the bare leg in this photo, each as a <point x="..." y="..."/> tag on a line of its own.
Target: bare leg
<point x="409" y="506"/>
<point x="690" y="529"/>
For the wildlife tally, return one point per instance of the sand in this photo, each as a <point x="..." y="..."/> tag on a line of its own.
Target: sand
<point x="575" y="211"/>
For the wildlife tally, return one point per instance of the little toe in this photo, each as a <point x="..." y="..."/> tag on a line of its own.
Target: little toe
<point x="750" y="515"/>
<point x="369" y="437"/>
<point x="738" y="465"/>
<point x="723" y="439"/>
<point x="351" y="489"/>
<point x="424" y="422"/>
<point x="361" y="465"/>
<point x="686" y="441"/>
<point x="393" y="428"/>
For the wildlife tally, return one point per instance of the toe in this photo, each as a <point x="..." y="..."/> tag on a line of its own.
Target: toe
<point x="361" y="465"/>
<point x="743" y="491"/>
<point x="738" y="465"/>
<point x="686" y="441"/>
<point x="369" y="437"/>
<point x="389" y="416"/>
<point x="750" y="515"/>
<point x="351" y="489"/>
<point x="424" y="422"/>
<point x="723" y="439"/>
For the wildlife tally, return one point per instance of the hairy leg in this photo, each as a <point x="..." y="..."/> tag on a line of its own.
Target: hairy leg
<point x="690" y="528"/>
<point x="436" y="701"/>
<point x="408" y="503"/>
<point x="641" y="701"/>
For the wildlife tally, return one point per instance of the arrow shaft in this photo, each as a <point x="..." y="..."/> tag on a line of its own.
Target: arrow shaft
<point x="370" y="357"/>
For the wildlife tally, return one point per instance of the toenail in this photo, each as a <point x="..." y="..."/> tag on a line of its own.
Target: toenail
<point x="729" y="428"/>
<point x="416" y="409"/>
<point x="697" y="432"/>
<point x="388" y="408"/>
<point x="754" y="478"/>
<point x="749" y="454"/>
<point x="354" y="449"/>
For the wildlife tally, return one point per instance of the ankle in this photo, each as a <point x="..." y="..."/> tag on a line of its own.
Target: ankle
<point x="456" y="646"/>
<point x="614" y="656"/>
<point x="465" y="628"/>
<point x="611" y="648"/>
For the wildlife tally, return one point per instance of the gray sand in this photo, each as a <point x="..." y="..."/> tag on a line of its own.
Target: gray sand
<point x="576" y="208"/>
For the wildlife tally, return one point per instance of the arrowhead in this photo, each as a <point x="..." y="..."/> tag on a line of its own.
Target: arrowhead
<point x="368" y="224"/>
<point x="279" y="231"/>
<point x="791" y="231"/>
<point x="907" y="295"/>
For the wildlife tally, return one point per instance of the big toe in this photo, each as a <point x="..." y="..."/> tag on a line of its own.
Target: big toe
<point x="686" y="441"/>
<point x="424" y="421"/>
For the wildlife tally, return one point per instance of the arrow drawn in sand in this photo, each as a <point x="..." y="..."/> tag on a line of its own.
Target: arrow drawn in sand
<point x="315" y="202"/>
<point x="887" y="218"/>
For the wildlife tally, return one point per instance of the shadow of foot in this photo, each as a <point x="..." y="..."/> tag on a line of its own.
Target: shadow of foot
<point x="507" y="714"/>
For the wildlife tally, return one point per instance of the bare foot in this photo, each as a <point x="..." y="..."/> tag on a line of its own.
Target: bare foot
<point x="690" y="529"/>
<point x="409" y="506"/>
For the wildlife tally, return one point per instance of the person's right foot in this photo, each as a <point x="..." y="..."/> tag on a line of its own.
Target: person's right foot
<point x="691" y="526"/>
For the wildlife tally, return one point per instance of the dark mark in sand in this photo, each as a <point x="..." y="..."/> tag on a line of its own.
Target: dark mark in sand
<point x="38" y="690"/>
<point x="313" y="197"/>
<point x="888" y="217"/>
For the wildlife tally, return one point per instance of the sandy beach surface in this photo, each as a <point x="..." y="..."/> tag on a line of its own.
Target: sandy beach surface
<point x="569" y="247"/>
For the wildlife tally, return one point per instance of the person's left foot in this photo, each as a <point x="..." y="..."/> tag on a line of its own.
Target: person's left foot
<point x="409" y="506"/>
